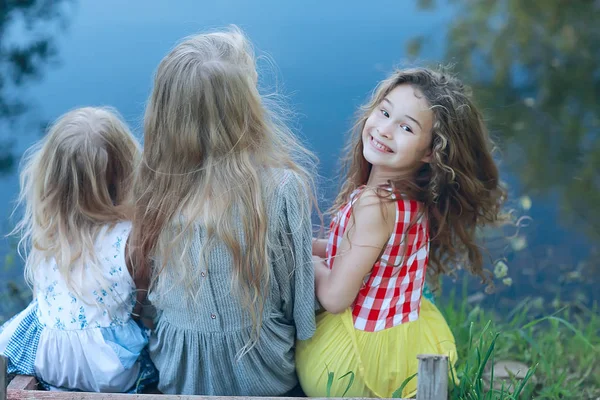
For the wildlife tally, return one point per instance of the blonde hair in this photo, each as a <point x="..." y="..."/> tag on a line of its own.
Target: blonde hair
<point x="210" y="140"/>
<point x="73" y="182"/>
<point x="460" y="187"/>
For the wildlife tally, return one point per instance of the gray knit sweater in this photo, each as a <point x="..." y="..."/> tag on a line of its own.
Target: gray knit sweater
<point x="194" y="345"/>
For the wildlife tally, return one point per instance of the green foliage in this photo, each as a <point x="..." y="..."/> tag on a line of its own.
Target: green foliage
<point x="561" y="350"/>
<point x="14" y="295"/>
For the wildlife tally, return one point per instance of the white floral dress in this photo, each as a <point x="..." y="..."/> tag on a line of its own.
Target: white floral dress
<point x="82" y="341"/>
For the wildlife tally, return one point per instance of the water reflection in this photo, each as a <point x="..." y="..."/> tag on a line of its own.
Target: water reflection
<point x="535" y="67"/>
<point x="27" y="46"/>
<point x="28" y="30"/>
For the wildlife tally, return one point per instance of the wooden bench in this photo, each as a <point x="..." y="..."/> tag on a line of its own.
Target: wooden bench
<point x="432" y="385"/>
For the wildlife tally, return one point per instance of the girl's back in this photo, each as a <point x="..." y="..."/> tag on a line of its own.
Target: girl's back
<point x="205" y="335"/>
<point x="222" y="235"/>
<point x="77" y="334"/>
<point x="103" y="302"/>
<point x="85" y="341"/>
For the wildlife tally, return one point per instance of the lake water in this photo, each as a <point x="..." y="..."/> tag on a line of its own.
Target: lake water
<point x="534" y="68"/>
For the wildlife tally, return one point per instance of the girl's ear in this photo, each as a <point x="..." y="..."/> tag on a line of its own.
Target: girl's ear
<point x="427" y="156"/>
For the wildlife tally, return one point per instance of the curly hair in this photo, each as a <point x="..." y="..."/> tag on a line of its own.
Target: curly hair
<point x="459" y="188"/>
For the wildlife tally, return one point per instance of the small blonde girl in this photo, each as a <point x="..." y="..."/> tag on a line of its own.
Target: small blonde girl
<point x="77" y="334"/>
<point x="420" y="180"/>
<point x="222" y="233"/>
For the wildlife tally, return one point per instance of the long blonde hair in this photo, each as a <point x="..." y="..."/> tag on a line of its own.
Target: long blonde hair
<point x="210" y="139"/>
<point x="73" y="182"/>
<point x="460" y="187"/>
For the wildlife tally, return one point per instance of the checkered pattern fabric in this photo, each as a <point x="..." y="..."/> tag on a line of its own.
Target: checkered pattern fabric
<point x="22" y="347"/>
<point x="391" y="293"/>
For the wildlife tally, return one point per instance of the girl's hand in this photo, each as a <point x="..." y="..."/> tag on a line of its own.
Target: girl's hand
<point x="319" y="247"/>
<point x="321" y="268"/>
<point x="318" y="259"/>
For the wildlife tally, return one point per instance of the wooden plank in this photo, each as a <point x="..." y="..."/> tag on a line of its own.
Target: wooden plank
<point x="43" y="395"/>
<point x="432" y="385"/>
<point x="432" y="381"/>
<point x="23" y="382"/>
<point x="3" y="377"/>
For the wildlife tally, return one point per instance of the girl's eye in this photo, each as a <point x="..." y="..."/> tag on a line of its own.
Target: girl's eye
<point x="385" y="113"/>
<point x="406" y="128"/>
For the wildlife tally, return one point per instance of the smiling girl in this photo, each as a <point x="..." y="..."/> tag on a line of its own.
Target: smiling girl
<point x="420" y="179"/>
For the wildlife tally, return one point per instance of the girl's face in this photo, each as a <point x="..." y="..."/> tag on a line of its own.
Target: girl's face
<point x="397" y="135"/>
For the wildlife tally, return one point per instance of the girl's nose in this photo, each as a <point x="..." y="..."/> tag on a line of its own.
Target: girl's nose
<point x="385" y="131"/>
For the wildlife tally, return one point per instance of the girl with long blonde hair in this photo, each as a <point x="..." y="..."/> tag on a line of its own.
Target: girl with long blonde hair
<point x="78" y="334"/>
<point x="420" y="179"/>
<point x="222" y="232"/>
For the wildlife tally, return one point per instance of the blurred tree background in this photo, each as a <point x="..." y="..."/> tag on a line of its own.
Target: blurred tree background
<point x="535" y="68"/>
<point x="28" y="31"/>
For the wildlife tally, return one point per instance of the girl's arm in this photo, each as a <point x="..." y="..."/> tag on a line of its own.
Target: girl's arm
<point x="369" y="230"/>
<point x="143" y="310"/>
<point x="319" y="247"/>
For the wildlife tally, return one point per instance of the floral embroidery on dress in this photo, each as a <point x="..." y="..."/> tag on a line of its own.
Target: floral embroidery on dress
<point x="59" y="324"/>
<point x="50" y="293"/>
<point x="82" y="318"/>
<point x="109" y="303"/>
<point x="99" y="299"/>
<point x="117" y="246"/>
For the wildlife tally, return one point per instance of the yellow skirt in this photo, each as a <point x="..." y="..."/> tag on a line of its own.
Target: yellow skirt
<point x="381" y="361"/>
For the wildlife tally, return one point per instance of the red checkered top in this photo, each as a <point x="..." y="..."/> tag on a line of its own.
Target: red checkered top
<point x="391" y="292"/>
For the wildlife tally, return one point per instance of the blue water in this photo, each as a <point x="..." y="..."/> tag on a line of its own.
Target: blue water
<point x="327" y="57"/>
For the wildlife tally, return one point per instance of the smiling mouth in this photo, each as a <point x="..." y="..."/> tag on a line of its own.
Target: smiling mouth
<point x="379" y="146"/>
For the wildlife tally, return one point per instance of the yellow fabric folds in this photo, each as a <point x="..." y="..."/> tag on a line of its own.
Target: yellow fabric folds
<point x="381" y="361"/>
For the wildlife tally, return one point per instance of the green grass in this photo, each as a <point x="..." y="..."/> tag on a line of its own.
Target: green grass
<point x="14" y="294"/>
<point x="561" y="349"/>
